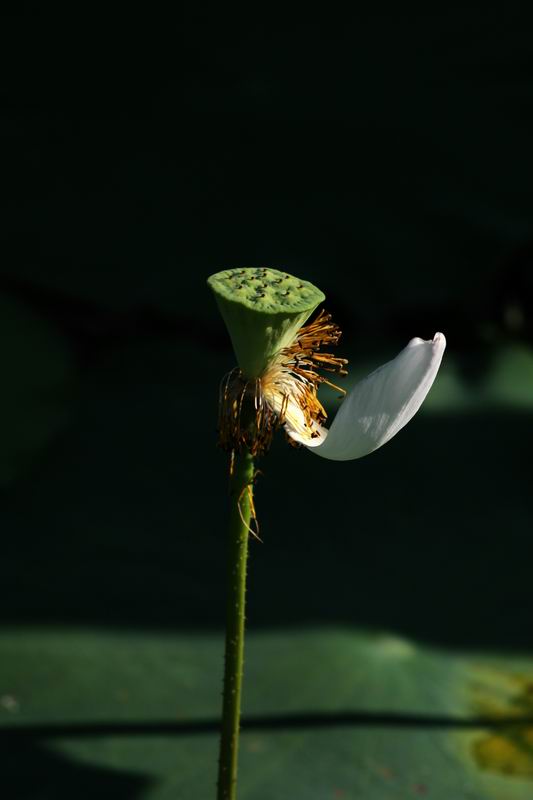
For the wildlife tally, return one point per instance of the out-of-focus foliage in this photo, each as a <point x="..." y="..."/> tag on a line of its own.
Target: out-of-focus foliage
<point x="329" y="714"/>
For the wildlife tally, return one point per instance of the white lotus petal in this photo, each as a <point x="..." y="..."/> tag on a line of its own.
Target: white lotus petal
<point x="381" y="404"/>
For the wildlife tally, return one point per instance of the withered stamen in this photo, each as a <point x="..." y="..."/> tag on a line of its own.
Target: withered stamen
<point x="250" y="411"/>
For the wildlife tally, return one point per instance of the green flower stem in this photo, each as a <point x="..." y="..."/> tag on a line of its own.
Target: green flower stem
<point x="239" y="531"/>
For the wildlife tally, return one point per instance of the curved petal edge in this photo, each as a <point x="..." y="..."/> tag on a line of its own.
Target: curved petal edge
<point x="382" y="403"/>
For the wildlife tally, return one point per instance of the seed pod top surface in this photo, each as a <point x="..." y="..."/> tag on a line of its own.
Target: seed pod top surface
<point x="263" y="308"/>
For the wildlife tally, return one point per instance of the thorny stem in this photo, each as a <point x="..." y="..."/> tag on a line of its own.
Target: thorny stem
<point x="239" y="531"/>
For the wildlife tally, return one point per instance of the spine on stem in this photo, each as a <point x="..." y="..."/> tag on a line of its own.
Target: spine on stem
<point x="239" y="531"/>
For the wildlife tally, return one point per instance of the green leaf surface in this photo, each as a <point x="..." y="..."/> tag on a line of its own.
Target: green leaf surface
<point x="328" y="713"/>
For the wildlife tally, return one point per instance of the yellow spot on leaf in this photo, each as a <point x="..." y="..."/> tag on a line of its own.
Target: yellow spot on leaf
<point x="507" y="753"/>
<point x="509" y="749"/>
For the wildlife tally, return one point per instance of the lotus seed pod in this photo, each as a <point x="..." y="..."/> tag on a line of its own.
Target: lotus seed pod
<point x="263" y="309"/>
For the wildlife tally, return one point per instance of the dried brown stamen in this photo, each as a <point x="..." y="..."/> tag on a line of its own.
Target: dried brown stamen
<point x="302" y="359"/>
<point x="251" y="410"/>
<point x="245" y="419"/>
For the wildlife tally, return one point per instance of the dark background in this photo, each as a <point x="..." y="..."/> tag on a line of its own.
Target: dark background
<point x="385" y="156"/>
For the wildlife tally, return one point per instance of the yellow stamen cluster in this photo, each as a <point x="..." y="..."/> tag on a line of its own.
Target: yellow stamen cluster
<point x="250" y="411"/>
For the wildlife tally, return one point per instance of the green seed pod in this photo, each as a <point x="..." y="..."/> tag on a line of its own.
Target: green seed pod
<point x="263" y="309"/>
